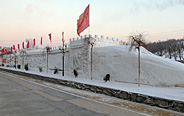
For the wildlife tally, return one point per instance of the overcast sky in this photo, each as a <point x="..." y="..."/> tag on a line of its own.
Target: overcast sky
<point x="29" y="19"/>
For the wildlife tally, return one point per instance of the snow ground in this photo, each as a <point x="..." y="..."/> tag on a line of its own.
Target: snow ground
<point x="172" y="93"/>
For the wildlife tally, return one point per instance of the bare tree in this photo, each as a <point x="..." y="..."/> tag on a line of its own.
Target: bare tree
<point x="137" y="41"/>
<point x="179" y="49"/>
<point x="91" y="41"/>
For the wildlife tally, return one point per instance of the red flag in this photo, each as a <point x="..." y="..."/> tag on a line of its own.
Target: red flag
<point x="11" y="49"/>
<point x="6" y="50"/>
<point x="50" y="37"/>
<point x="18" y="47"/>
<point x="14" y="47"/>
<point x="63" y="36"/>
<point x="2" y="51"/>
<point x="23" y="45"/>
<point x="83" y="21"/>
<point x="28" y="44"/>
<point x="34" y="42"/>
<point x="41" y="41"/>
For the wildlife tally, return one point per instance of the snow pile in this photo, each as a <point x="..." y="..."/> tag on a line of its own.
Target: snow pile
<point x="122" y="65"/>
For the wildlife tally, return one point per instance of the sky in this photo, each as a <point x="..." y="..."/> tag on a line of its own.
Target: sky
<point x="29" y="19"/>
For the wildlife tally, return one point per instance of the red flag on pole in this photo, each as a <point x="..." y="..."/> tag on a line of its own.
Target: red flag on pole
<point x="63" y="36"/>
<point x="23" y="45"/>
<point x="28" y="44"/>
<point x="18" y="47"/>
<point x="41" y="41"/>
<point x="13" y="47"/>
<point x="50" y="37"/>
<point x="83" y="21"/>
<point x="34" y="42"/>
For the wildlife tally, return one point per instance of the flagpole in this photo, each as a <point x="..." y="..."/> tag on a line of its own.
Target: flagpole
<point x="91" y="48"/>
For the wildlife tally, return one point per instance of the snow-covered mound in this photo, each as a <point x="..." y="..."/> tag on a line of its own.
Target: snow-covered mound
<point x="122" y="65"/>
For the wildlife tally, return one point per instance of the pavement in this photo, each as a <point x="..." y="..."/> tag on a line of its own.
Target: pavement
<point x="19" y="97"/>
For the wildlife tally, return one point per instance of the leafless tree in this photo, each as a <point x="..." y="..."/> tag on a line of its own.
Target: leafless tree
<point x="91" y="41"/>
<point x="137" y="41"/>
<point x="179" y="49"/>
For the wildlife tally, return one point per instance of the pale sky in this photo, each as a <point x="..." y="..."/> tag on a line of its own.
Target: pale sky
<point x="29" y="19"/>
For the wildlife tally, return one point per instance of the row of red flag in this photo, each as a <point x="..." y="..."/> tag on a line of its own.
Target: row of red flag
<point x="4" y="50"/>
<point x="82" y="24"/>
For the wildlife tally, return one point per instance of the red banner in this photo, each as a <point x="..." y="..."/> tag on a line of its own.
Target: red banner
<point x="2" y="51"/>
<point x="13" y="47"/>
<point x="18" y="47"/>
<point x="62" y="36"/>
<point x="23" y="45"/>
<point x="28" y="44"/>
<point x="41" y="41"/>
<point x="3" y="60"/>
<point x="33" y="42"/>
<point x="83" y="21"/>
<point x="50" y="37"/>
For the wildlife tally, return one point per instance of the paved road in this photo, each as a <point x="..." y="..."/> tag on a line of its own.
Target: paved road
<point x="22" y="98"/>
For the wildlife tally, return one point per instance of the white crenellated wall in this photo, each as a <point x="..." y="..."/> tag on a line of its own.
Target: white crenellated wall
<point x="99" y="41"/>
<point x="111" y="59"/>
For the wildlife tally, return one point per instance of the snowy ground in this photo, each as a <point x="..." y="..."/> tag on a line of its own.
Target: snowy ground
<point x="172" y="93"/>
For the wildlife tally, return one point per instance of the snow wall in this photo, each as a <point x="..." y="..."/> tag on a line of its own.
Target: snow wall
<point x="107" y="58"/>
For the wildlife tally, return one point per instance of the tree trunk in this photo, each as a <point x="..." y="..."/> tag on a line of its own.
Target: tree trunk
<point x="91" y="61"/>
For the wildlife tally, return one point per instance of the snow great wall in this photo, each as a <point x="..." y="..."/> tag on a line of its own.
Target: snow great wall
<point x="108" y="58"/>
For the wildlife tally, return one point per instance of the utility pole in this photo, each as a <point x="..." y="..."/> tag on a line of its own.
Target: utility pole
<point x="139" y="66"/>
<point x="15" y="60"/>
<point x="91" y="42"/>
<point x="47" y="50"/>
<point x="63" y="56"/>
<point x="10" y="59"/>
<point x="91" y="60"/>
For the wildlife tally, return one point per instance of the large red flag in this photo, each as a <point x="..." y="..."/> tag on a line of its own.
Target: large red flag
<point x="34" y="42"/>
<point x="63" y="36"/>
<point x="41" y="41"/>
<point x="28" y="44"/>
<point x="13" y="47"/>
<point x="83" y="21"/>
<point x="50" y="37"/>
<point x="23" y="45"/>
<point x="18" y="47"/>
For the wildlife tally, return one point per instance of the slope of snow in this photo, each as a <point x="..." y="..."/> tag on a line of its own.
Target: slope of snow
<point x="122" y="65"/>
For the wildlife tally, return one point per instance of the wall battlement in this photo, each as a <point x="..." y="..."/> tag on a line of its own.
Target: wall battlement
<point x="99" y="41"/>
